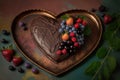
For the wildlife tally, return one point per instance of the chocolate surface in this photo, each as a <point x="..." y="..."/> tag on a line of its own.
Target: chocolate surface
<point x="47" y="37"/>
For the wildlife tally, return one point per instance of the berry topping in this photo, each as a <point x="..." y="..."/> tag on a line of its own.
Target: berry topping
<point x="69" y="21"/>
<point x="65" y="37"/>
<point x="74" y="39"/>
<point x="59" y="52"/>
<point x="72" y="34"/>
<point x="76" y="44"/>
<point x="79" y="20"/>
<point x="64" y="51"/>
<point x="76" y="25"/>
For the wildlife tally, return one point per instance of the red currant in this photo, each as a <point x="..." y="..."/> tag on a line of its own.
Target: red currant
<point x="76" y="25"/>
<point x="64" y="51"/>
<point x="79" y="20"/>
<point x="59" y="52"/>
<point x="76" y="44"/>
<point x="72" y="34"/>
<point x="73" y="39"/>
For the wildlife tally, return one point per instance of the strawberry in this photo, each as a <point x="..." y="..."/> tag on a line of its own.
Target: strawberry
<point x="17" y="60"/>
<point x="64" y="51"/>
<point x="72" y="34"/>
<point x="76" y="25"/>
<point x="107" y="19"/>
<point x="59" y="52"/>
<point x="8" y="54"/>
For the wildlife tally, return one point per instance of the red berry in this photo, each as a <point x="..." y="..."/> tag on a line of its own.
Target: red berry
<point x="76" y="44"/>
<point x="107" y="19"/>
<point x="76" y="25"/>
<point x="17" y="61"/>
<point x="79" y="20"/>
<point x="8" y="54"/>
<point x="73" y="39"/>
<point x="84" y="23"/>
<point x="72" y="34"/>
<point x="59" y="52"/>
<point x="64" y="51"/>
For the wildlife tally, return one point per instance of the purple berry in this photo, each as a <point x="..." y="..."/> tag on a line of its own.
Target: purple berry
<point x="28" y="65"/>
<point x="35" y="70"/>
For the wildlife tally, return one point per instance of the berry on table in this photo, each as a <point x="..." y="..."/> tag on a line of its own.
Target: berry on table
<point x="17" y="60"/>
<point x="28" y="65"/>
<point x="5" y="32"/>
<point x="35" y="70"/>
<point x="12" y="68"/>
<point x="107" y="19"/>
<point x="20" y="70"/>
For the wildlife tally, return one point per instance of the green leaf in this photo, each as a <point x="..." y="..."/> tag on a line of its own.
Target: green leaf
<point x="106" y="74"/>
<point x="115" y="43"/>
<point x="101" y="52"/>
<point x="64" y="17"/>
<point x="87" y="31"/>
<point x="111" y="62"/>
<point x="92" y="68"/>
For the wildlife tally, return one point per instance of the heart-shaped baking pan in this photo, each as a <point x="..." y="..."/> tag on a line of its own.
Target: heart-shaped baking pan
<point x="37" y="41"/>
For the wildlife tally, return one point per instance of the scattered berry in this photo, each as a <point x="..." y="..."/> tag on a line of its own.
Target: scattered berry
<point x="21" y="70"/>
<point x="12" y="68"/>
<point x="17" y="60"/>
<point x="35" y="70"/>
<point x="8" y="54"/>
<point x="28" y="65"/>
<point x="4" y="41"/>
<point x="107" y="19"/>
<point x="102" y="8"/>
<point x="5" y="32"/>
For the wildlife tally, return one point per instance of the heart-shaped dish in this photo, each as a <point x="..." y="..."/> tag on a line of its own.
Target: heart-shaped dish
<point x="29" y="41"/>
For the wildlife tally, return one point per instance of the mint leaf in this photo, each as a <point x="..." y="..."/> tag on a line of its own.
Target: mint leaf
<point x="106" y="74"/>
<point x="92" y="68"/>
<point x="101" y="52"/>
<point x="64" y="17"/>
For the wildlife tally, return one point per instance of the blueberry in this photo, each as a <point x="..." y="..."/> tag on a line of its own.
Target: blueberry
<point x="102" y="8"/>
<point x="35" y="70"/>
<point x="73" y="29"/>
<point x="4" y="41"/>
<point x="75" y="32"/>
<point x="21" y="70"/>
<point x="70" y="30"/>
<point x="12" y="68"/>
<point x="93" y="10"/>
<point x="67" y="28"/>
<point x="60" y="30"/>
<point x="60" y="47"/>
<point x="63" y="26"/>
<point x="67" y="47"/>
<point x="63" y="21"/>
<point x="28" y="65"/>
<point x="5" y="32"/>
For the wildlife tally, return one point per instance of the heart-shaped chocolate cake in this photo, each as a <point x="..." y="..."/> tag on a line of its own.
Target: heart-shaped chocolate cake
<point x="56" y="43"/>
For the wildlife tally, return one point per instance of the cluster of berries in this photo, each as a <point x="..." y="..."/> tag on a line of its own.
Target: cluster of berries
<point x="72" y="35"/>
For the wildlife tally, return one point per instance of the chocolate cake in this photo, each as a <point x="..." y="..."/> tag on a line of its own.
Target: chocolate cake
<point x="57" y="38"/>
